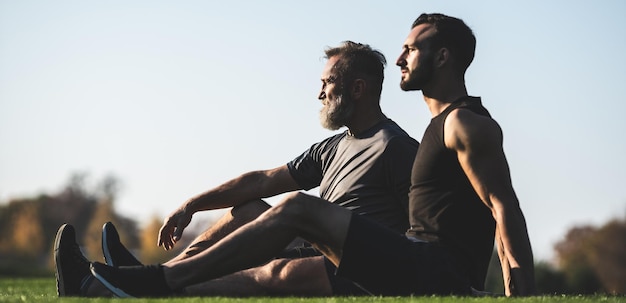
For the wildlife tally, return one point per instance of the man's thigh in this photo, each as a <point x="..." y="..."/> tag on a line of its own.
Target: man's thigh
<point x="340" y="286"/>
<point x="387" y="263"/>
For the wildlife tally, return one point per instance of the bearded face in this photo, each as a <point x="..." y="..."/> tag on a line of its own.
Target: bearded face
<point x="338" y="106"/>
<point x="336" y="112"/>
<point x="417" y="73"/>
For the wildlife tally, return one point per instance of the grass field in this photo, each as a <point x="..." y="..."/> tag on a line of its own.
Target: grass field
<point x="43" y="290"/>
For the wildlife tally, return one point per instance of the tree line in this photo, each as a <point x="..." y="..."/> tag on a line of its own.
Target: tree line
<point x="589" y="259"/>
<point x="28" y="227"/>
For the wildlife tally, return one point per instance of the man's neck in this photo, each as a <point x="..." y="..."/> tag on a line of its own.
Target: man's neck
<point x="439" y="98"/>
<point x="365" y="122"/>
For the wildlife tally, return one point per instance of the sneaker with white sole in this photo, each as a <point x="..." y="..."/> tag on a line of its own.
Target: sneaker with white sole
<point x="72" y="268"/>
<point x="115" y="253"/>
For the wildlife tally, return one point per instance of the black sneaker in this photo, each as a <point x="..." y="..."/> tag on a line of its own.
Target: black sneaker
<point x="115" y="254"/>
<point x="72" y="268"/>
<point x="133" y="281"/>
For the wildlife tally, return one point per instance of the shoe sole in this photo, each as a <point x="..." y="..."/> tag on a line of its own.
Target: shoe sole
<point x="108" y="259"/>
<point x="57" y="262"/>
<point x="116" y="291"/>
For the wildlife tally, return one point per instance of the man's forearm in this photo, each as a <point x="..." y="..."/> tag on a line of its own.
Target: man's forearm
<point x="249" y="186"/>
<point x="232" y="193"/>
<point x="504" y="264"/>
<point x="518" y="252"/>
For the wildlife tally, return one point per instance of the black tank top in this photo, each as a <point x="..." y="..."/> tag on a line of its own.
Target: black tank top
<point x="443" y="206"/>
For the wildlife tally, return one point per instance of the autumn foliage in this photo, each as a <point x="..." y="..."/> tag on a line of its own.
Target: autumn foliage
<point x="593" y="259"/>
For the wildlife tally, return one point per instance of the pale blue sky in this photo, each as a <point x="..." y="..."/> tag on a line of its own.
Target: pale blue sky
<point x="176" y="97"/>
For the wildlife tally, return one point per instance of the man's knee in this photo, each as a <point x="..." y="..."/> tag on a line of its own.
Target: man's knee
<point x="238" y="216"/>
<point x="307" y="210"/>
<point x="249" y="210"/>
<point x="295" y="205"/>
<point x="294" y="276"/>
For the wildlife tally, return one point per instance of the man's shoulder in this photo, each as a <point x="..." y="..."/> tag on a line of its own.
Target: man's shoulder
<point x="335" y="137"/>
<point x="474" y="104"/>
<point x="395" y="142"/>
<point x="329" y="142"/>
<point x="391" y="131"/>
<point x="464" y="128"/>
<point x="467" y="118"/>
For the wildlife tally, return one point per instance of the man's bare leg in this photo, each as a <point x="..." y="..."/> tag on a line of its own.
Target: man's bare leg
<point x="281" y="277"/>
<point x="316" y="220"/>
<point x="235" y="218"/>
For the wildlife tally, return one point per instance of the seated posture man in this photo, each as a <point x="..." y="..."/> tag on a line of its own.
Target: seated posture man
<point x="365" y="169"/>
<point x="461" y="199"/>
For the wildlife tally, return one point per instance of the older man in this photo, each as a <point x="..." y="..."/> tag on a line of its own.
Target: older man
<point x="364" y="170"/>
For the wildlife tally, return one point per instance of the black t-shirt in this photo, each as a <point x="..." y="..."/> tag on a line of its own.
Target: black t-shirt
<point x="368" y="174"/>
<point x="443" y="205"/>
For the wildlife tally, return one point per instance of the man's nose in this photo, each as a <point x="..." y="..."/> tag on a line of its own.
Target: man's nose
<point x="321" y="96"/>
<point x="401" y="62"/>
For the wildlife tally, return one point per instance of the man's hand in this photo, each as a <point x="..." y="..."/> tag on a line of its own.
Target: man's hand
<point x="172" y="229"/>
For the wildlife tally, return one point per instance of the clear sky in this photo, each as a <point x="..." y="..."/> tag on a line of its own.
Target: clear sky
<point x="176" y="97"/>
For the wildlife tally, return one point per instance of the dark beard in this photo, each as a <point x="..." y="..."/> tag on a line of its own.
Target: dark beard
<point x="337" y="113"/>
<point x="419" y="77"/>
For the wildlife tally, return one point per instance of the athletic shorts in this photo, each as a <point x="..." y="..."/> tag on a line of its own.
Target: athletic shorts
<point x="340" y="286"/>
<point x="386" y="263"/>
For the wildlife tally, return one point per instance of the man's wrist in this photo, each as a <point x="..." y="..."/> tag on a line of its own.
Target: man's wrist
<point x="189" y="208"/>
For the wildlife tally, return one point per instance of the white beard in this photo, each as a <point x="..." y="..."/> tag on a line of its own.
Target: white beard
<point x="336" y="113"/>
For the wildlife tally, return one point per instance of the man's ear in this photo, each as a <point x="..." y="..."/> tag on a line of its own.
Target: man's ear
<point x="358" y="89"/>
<point x="442" y="57"/>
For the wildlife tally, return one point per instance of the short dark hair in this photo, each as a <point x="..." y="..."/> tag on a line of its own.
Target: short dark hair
<point x="358" y="60"/>
<point x="453" y="34"/>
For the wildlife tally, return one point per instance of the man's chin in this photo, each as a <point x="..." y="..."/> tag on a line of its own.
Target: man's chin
<point x="327" y="123"/>
<point x="328" y="126"/>
<point x="408" y="87"/>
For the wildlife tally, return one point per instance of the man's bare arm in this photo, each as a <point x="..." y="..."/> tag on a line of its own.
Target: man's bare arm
<point x="246" y="187"/>
<point x="504" y="264"/>
<point x="477" y="141"/>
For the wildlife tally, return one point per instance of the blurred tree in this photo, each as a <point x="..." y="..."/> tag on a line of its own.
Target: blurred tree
<point x="607" y="256"/>
<point x="594" y="259"/>
<point x="27" y="235"/>
<point x="22" y="233"/>
<point x="572" y="254"/>
<point x="22" y="242"/>
<point x="28" y="226"/>
<point x="6" y="230"/>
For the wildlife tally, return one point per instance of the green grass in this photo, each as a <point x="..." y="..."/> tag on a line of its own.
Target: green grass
<point x="44" y="290"/>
